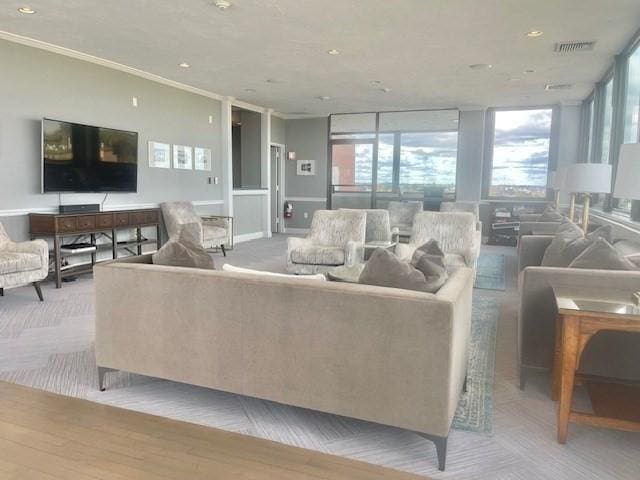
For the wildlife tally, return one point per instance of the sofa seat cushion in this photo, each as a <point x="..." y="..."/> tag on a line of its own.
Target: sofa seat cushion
<point x="318" y="255"/>
<point x="211" y="232"/>
<point x="14" y="262"/>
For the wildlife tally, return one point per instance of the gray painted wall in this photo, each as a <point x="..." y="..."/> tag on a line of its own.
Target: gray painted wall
<point x="249" y="212"/>
<point x="278" y="130"/>
<point x="308" y="138"/>
<point x="250" y="154"/>
<point x="36" y="84"/>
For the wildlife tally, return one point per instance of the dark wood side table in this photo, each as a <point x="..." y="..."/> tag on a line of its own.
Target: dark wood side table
<point x="57" y="226"/>
<point x="580" y="317"/>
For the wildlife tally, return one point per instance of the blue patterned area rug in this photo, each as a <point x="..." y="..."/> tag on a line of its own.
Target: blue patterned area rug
<point x="490" y="275"/>
<point x="475" y="410"/>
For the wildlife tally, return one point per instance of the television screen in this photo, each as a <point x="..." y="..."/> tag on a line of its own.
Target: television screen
<point x="82" y="158"/>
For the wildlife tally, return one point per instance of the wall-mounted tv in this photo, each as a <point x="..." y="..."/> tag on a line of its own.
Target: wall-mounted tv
<point x="83" y="158"/>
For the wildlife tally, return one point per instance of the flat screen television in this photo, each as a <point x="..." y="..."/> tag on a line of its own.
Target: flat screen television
<point x="83" y="158"/>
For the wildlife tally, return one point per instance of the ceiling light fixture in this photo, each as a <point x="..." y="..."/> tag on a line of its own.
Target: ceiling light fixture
<point x="184" y="65"/>
<point x="535" y="33"/>
<point x="385" y="89"/>
<point x="27" y="10"/>
<point x="333" y="51"/>
<point x="480" y="66"/>
<point x="222" y="4"/>
<point x="323" y="98"/>
<point x="375" y="82"/>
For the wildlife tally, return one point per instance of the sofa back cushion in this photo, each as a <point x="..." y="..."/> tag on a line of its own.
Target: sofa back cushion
<point x="402" y="213"/>
<point x="550" y="214"/>
<point x="455" y="232"/>
<point x="183" y="250"/>
<point x="601" y="255"/>
<point x="335" y="228"/>
<point x="384" y="269"/>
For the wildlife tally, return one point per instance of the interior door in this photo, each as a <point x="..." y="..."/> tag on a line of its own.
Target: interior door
<point x="276" y="203"/>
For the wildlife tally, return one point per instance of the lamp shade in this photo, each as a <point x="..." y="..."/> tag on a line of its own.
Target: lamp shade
<point x="628" y="173"/>
<point x="559" y="179"/>
<point x="589" y="178"/>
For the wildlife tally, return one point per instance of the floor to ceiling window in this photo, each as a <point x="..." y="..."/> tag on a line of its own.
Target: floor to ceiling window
<point x="414" y="157"/>
<point x="520" y="154"/>
<point x="607" y="121"/>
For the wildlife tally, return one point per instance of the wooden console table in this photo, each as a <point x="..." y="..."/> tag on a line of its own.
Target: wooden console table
<point x="57" y="226"/>
<point x="580" y="317"/>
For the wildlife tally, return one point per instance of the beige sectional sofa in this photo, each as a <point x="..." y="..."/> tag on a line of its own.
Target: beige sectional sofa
<point x="390" y="356"/>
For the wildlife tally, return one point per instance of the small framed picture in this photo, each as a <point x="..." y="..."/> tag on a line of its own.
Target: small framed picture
<point x="182" y="157"/>
<point x="202" y="158"/>
<point x="306" y="167"/>
<point x="159" y="155"/>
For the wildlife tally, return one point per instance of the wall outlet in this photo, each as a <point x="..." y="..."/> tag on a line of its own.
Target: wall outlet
<point x="306" y="215"/>
<point x="216" y="180"/>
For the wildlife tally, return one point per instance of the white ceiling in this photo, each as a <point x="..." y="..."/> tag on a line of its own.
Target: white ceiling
<point x="420" y="49"/>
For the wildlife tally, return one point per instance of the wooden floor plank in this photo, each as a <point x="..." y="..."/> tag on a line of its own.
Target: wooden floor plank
<point x="48" y="436"/>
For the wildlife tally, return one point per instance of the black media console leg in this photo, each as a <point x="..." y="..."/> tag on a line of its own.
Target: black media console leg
<point x="224" y="251"/>
<point x="1" y="292"/>
<point x="102" y="371"/>
<point x="36" y="285"/>
<point x="441" y="448"/>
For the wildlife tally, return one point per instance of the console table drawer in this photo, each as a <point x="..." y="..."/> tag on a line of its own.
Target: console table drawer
<point x="86" y="222"/>
<point x="104" y="221"/>
<point x="137" y="218"/>
<point x="122" y="219"/>
<point x="66" y="224"/>
<point x="151" y="217"/>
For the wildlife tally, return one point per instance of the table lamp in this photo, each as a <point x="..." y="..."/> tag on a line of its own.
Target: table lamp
<point x="588" y="178"/>
<point x="627" y="183"/>
<point x="557" y="181"/>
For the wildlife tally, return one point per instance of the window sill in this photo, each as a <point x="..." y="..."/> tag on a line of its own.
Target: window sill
<point x="617" y="219"/>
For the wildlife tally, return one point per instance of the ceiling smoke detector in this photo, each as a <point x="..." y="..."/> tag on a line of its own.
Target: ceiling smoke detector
<point x="222" y="4"/>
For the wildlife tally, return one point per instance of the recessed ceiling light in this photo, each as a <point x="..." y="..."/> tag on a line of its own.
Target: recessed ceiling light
<point x="535" y="33"/>
<point x="480" y="66"/>
<point x="250" y="90"/>
<point x="375" y="82"/>
<point x="333" y="51"/>
<point x="271" y="80"/>
<point x="385" y="89"/>
<point x="529" y="70"/>
<point x="184" y="65"/>
<point x="323" y="98"/>
<point x="222" y="4"/>
<point x="27" y="10"/>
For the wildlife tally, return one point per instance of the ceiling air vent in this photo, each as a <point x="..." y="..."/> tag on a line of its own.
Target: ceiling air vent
<point x="570" y="47"/>
<point x="558" y="86"/>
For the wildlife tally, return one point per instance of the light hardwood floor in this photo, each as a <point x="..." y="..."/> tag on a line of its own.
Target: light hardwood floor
<point x="48" y="436"/>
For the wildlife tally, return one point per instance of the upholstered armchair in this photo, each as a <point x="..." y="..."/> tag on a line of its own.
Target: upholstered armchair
<point x="212" y="231"/>
<point x="455" y="232"/>
<point x="401" y="215"/>
<point x="336" y="238"/>
<point x="22" y="263"/>
<point x="469" y="207"/>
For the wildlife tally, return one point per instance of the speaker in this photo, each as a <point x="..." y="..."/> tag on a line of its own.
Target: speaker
<point x="80" y="208"/>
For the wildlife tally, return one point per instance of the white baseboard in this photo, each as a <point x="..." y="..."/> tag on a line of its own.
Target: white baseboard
<point x="246" y="237"/>
<point x="296" y="231"/>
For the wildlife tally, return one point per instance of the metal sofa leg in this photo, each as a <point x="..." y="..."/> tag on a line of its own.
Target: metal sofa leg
<point x="441" y="448"/>
<point x="36" y="285"/>
<point x="465" y="385"/>
<point x="1" y="292"/>
<point x="102" y="371"/>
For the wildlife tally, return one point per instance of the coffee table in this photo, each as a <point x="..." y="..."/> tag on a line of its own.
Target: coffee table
<point x="580" y="316"/>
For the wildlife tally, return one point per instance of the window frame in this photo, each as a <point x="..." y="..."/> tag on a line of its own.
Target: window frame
<point x="487" y="164"/>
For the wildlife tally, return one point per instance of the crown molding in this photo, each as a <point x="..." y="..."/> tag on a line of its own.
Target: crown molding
<point x="85" y="57"/>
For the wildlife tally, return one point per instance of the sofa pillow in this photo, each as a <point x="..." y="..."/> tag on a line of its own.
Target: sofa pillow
<point x="550" y="214"/>
<point x="230" y="268"/>
<point x="601" y="255"/>
<point x="384" y="269"/>
<point x="183" y="251"/>
<point x="561" y="252"/>
<point x="429" y="259"/>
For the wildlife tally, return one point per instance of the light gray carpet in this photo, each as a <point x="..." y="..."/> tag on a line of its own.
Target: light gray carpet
<point x="49" y="346"/>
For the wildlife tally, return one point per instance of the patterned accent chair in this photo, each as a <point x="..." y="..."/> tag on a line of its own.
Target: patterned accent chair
<point x="213" y="231"/>
<point x="455" y="232"/>
<point x="336" y="238"/>
<point x="401" y="215"/>
<point x="469" y="207"/>
<point x="22" y="263"/>
<point x="379" y="232"/>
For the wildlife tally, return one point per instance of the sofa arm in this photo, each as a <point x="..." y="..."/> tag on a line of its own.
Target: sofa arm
<point x="354" y="253"/>
<point x="531" y="250"/>
<point x="293" y="243"/>
<point x="36" y="247"/>
<point x="216" y="221"/>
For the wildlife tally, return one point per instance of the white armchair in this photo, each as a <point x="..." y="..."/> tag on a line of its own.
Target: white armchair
<point x="470" y="207"/>
<point x="213" y="231"/>
<point x="401" y="216"/>
<point x="22" y="263"/>
<point x="336" y="238"/>
<point x="455" y="232"/>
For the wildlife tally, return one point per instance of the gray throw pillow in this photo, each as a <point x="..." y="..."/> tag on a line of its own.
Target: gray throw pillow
<point x="384" y="269"/>
<point x="601" y="255"/>
<point x="429" y="259"/>
<point x="563" y="250"/>
<point x="184" y="250"/>
<point x="551" y="215"/>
